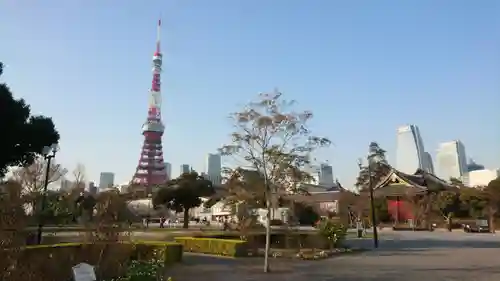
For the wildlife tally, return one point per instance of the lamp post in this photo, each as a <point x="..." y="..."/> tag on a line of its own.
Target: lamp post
<point x="149" y="210"/>
<point x="48" y="152"/>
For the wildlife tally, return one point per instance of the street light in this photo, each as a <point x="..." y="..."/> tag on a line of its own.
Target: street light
<point x="149" y="210"/>
<point x="48" y="152"/>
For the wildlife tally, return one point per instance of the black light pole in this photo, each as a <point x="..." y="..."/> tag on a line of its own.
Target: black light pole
<point x="372" y="203"/>
<point x="149" y="210"/>
<point x="48" y="154"/>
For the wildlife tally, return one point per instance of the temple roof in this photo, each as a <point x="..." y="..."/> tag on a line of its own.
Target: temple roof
<point x="398" y="183"/>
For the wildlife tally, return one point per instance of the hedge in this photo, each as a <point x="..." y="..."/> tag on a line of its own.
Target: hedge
<point x="54" y="262"/>
<point x="214" y="246"/>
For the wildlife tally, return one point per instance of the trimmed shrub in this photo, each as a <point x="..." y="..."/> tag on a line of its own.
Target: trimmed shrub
<point x="54" y="262"/>
<point x="221" y="247"/>
<point x="168" y="252"/>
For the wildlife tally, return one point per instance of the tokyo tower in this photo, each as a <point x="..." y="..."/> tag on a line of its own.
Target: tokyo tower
<point x="151" y="167"/>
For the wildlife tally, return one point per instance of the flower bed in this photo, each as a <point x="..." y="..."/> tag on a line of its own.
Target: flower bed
<point x="214" y="246"/>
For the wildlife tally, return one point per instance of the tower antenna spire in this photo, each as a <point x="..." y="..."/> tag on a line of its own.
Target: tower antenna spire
<point x="158" y="36"/>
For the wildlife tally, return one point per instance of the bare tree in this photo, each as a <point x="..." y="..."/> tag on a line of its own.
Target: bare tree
<point x="79" y="177"/>
<point x="276" y="142"/>
<point x="32" y="177"/>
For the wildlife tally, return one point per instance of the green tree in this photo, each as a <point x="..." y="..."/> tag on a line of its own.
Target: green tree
<point x="445" y="203"/>
<point x="379" y="167"/>
<point x="183" y="193"/>
<point x="474" y="201"/>
<point x="25" y="135"/>
<point x="273" y="139"/>
<point x="492" y="193"/>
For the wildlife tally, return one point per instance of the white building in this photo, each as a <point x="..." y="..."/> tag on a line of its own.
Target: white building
<point x="168" y="170"/>
<point x="481" y="177"/>
<point x="213" y="168"/>
<point x="106" y="180"/>
<point x="451" y="161"/>
<point x="410" y="152"/>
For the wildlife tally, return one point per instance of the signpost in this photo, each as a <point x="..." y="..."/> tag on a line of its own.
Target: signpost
<point x="84" y="272"/>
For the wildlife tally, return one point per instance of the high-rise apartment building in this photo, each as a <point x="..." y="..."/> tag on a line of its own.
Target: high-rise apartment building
<point x="106" y="180"/>
<point x="451" y="160"/>
<point x="168" y="170"/>
<point x="325" y="174"/>
<point x="410" y="152"/>
<point x="185" y="168"/>
<point x="214" y="168"/>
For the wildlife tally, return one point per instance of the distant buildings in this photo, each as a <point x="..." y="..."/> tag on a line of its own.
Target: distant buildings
<point x="214" y="168"/>
<point x="325" y="174"/>
<point x="410" y="152"/>
<point x="473" y="166"/>
<point x="451" y="161"/>
<point x="92" y="188"/>
<point x="429" y="167"/>
<point x="168" y="169"/>
<point x="481" y="177"/>
<point x="65" y="185"/>
<point x="106" y="180"/>
<point x="185" y="168"/>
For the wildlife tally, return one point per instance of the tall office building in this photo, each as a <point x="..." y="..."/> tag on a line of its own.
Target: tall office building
<point x="168" y="170"/>
<point x="106" y="180"/>
<point x="325" y="174"/>
<point x="410" y="152"/>
<point x="451" y="160"/>
<point x="185" y="168"/>
<point x="429" y="166"/>
<point x="214" y="168"/>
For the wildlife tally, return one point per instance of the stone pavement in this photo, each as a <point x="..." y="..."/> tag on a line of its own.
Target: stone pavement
<point x="409" y="256"/>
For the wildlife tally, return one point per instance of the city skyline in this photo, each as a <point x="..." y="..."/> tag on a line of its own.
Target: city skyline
<point x="371" y="54"/>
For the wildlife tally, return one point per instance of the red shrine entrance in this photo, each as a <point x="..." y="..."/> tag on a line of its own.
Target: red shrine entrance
<point x="399" y="188"/>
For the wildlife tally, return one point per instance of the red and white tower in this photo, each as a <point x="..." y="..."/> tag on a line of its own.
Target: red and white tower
<point x="151" y="168"/>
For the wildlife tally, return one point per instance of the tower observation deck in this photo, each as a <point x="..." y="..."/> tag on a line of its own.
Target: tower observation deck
<point x="151" y="167"/>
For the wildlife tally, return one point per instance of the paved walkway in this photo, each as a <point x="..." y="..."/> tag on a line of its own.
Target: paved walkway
<point x="402" y="256"/>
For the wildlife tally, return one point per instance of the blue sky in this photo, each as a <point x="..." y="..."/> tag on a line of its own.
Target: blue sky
<point x="363" y="67"/>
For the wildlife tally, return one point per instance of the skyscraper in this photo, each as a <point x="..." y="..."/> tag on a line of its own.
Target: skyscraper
<point x="168" y="168"/>
<point x="214" y="168"/>
<point x="106" y="180"/>
<point x="325" y="174"/>
<point x="410" y="153"/>
<point x="429" y="166"/>
<point x="451" y="160"/>
<point x="185" y="168"/>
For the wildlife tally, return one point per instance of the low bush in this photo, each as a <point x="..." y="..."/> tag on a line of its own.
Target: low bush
<point x="54" y="262"/>
<point x="221" y="247"/>
<point x="334" y="232"/>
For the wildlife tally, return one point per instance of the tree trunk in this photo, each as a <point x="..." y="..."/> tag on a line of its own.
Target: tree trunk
<point x="185" y="223"/>
<point x="268" y="236"/>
